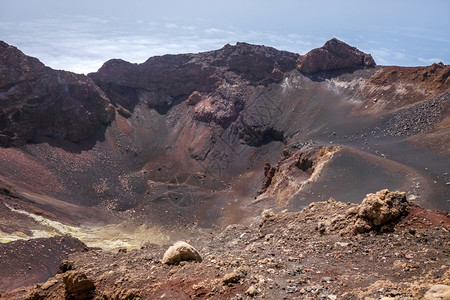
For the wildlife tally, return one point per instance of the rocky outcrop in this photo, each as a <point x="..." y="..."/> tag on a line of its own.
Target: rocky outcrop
<point x="334" y="55"/>
<point x="38" y="101"/>
<point x="377" y="211"/>
<point x="164" y="81"/>
<point x="217" y="110"/>
<point x="295" y="169"/>
<point x="181" y="251"/>
<point x="269" y="173"/>
<point x="252" y="62"/>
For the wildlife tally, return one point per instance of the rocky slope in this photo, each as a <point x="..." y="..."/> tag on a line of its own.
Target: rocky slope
<point x="164" y="150"/>
<point x="316" y="253"/>
<point x="38" y="101"/>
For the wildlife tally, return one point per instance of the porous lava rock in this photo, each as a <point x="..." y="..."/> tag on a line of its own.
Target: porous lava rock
<point x="181" y="251"/>
<point x="379" y="209"/>
<point x="334" y="55"/>
<point x="36" y="100"/>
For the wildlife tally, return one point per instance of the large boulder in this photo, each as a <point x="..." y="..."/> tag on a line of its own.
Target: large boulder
<point x="181" y="251"/>
<point x="334" y="55"/>
<point x="379" y="209"/>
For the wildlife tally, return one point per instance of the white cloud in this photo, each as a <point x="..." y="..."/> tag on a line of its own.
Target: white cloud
<point x="82" y="44"/>
<point x="429" y="61"/>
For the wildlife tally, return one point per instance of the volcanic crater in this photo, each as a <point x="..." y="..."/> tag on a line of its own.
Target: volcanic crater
<point x="137" y="156"/>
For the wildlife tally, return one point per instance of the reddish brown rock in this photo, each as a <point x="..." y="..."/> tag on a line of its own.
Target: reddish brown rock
<point x="334" y="55"/>
<point x="218" y="110"/>
<point x="269" y="173"/>
<point x="78" y="285"/>
<point x="38" y="101"/>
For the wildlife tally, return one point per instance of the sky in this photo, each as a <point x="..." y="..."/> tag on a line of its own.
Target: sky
<point x="81" y="35"/>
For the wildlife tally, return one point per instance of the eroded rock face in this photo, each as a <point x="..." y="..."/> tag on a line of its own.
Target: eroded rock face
<point x="181" y="251"/>
<point x="295" y="169"/>
<point x="38" y="101"/>
<point x="334" y="55"/>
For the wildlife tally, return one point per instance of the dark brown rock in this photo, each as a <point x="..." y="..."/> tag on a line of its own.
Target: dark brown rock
<point x="78" y="285"/>
<point x="269" y="173"/>
<point x="164" y="81"/>
<point x="334" y="55"/>
<point x="253" y="62"/>
<point x="159" y="82"/>
<point x="38" y="101"/>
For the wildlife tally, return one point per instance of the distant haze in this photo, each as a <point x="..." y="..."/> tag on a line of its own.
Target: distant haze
<point x="81" y="35"/>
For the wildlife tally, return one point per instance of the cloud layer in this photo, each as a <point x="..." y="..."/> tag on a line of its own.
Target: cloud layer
<point x="83" y="44"/>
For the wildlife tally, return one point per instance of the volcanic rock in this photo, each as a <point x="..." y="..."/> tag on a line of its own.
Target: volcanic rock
<point x="380" y="209"/>
<point x="251" y="291"/>
<point x="295" y="168"/>
<point x="253" y="62"/>
<point x="232" y="277"/>
<point x="269" y="173"/>
<point x="123" y="294"/>
<point x="188" y="169"/>
<point x="194" y="98"/>
<point x="438" y="292"/>
<point x="38" y="101"/>
<point x="216" y="110"/>
<point x="163" y="81"/>
<point x="181" y="251"/>
<point x="334" y="55"/>
<point x="282" y="253"/>
<point x="78" y="286"/>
